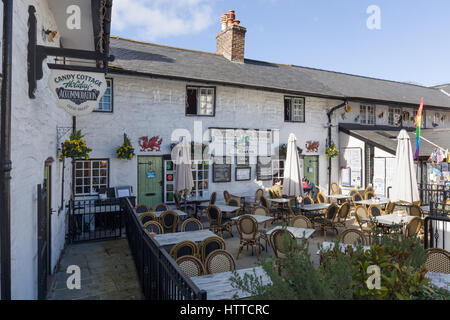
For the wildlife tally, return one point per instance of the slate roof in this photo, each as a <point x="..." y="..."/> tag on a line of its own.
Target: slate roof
<point x="157" y="60"/>
<point x="388" y="139"/>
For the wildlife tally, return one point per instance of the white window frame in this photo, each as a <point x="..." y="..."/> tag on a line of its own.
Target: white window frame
<point x="206" y="101"/>
<point x="392" y="111"/>
<point x="297" y="109"/>
<point x="87" y="180"/>
<point x="100" y="107"/>
<point x="367" y="114"/>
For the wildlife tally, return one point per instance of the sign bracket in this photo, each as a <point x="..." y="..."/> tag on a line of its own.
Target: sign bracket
<point x="37" y="54"/>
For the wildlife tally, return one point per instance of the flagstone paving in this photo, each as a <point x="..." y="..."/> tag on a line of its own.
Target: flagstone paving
<point x="107" y="272"/>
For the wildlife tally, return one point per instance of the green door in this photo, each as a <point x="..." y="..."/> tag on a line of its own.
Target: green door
<point x="150" y="180"/>
<point x="311" y="169"/>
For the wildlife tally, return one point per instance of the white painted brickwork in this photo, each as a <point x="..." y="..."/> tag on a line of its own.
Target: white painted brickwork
<point x="154" y="107"/>
<point x="33" y="141"/>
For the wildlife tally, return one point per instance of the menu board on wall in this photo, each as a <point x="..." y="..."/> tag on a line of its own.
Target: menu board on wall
<point x="352" y="158"/>
<point x="240" y="142"/>
<point x="264" y="169"/>
<point x="221" y="170"/>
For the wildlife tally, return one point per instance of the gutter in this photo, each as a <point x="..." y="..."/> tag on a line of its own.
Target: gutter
<point x="329" y="114"/>
<point x="5" y="154"/>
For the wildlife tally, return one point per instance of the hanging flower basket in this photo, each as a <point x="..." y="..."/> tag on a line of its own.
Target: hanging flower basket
<point x="332" y="151"/>
<point x="126" y="150"/>
<point x="282" y="150"/>
<point x="75" y="148"/>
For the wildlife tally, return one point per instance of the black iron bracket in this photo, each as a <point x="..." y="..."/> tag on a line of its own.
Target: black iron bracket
<point x="37" y="54"/>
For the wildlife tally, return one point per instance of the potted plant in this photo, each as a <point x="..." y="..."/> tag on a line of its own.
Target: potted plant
<point x="126" y="150"/>
<point x="74" y="148"/>
<point x="332" y="151"/>
<point x="282" y="150"/>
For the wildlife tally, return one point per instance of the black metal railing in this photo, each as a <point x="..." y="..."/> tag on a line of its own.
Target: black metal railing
<point x="92" y="220"/>
<point x="436" y="232"/>
<point x="159" y="275"/>
<point x="433" y="193"/>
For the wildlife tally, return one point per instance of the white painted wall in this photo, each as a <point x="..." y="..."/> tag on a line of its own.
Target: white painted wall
<point x="382" y="114"/>
<point x="154" y="107"/>
<point x="33" y="141"/>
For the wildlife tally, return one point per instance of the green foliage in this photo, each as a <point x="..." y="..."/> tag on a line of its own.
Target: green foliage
<point x="126" y="150"/>
<point x="332" y="151"/>
<point x="75" y="148"/>
<point x="343" y="274"/>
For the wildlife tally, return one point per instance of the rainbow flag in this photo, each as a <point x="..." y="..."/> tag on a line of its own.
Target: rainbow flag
<point x="418" y="124"/>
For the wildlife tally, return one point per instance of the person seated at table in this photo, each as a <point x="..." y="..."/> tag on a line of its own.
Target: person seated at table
<point x="276" y="188"/>
<point x="311" y="186"/>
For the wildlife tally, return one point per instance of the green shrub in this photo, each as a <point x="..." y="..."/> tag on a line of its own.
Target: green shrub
<point x="343" y="275"/>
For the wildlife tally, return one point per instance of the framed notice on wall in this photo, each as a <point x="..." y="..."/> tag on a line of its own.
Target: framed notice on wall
<point x="221" y="170"/>
<point x="243" y="173"/>
<point x="352" y="158"/>
<point x="346" y="177"/>
<point x="264" y="169"/>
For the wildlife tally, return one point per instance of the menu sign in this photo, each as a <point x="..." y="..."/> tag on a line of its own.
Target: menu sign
<point x="77" y="92"/>
<point x="264" y="169"/>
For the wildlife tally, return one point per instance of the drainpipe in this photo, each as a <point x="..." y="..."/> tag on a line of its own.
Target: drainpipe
<point x="329" y="114"/>
<point x="5" y="153"/>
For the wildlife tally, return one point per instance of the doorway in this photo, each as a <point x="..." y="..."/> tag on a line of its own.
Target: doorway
<point x="44" y="212"/>
<point x="311" y="169"/>
<point x="150" y="180"/>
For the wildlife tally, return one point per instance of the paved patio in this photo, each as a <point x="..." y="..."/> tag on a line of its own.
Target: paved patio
<point x="107" y="272"/>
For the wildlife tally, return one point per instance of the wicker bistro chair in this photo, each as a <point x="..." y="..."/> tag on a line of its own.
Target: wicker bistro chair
<point x="361" y="214"/>
<point x="234" y="203"/>
<point x="191" y="224"/>
<point x="342" y="214"/>
<point x="335" y="188"/>
<point x="212" y="200"/>
<point x="141" y="208"/>
<point x="148" y="216"/>
<point x="308" y="200"/>
<point x="161" y="207"/>
<point x="390" y="207"/>
<point x="184" y="248"/>
<point x="356" y="197"/>
<point x="226" y="195"/>
<point x="328" y="220"/>
<point x="301" y="222"/>
<point x="375" y="210"/>
<point x="369" y="195"/>
<point x="209" y="245"/>
<point x="249" y="234"/>
<point x="416" y="211"/>
<point x="154" y="226"/>
<point x="413" y="227"/>
<point x="438" y="261"/>
<point x="217" y="223"/>
<point x="353" y="236"/>
<point x="262" y="211"/>
<point x="369" y="189"/>
<point x="169" y="220"/>
<point x="321" y="198"/>
<point x="277" y="240"/>
<point x="352" y="192"/>
<point x="219" y="261"/>
<point x="191" y="266"/>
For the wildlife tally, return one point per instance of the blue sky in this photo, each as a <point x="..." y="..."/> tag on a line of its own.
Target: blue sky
<point x="413" y="44"/>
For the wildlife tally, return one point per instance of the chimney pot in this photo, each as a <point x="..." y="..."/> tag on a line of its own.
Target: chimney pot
<point x="231" y="40"/>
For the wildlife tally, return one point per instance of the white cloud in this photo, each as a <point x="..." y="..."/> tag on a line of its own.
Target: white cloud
<point x="155" y="19"/>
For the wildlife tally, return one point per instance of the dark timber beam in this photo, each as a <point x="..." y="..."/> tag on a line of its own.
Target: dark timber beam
<point x="5" y="153"/>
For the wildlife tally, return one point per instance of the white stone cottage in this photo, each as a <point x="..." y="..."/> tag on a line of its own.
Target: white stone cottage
<point x="156" y="89"/>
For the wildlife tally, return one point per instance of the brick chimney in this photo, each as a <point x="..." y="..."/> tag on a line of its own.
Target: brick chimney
<point x="231" y="39"/>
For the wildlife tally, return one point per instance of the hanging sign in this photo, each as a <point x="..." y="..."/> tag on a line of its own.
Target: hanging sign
<point x="77" y="92"/>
